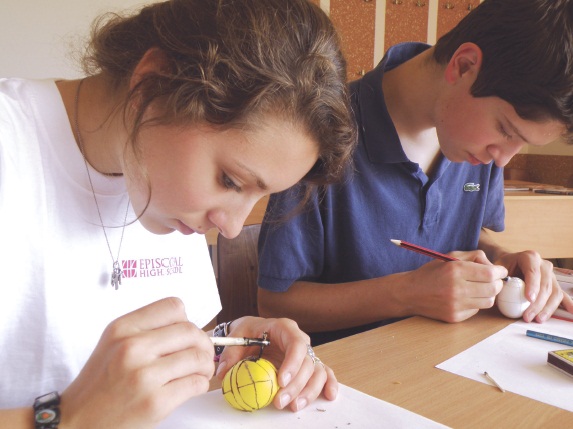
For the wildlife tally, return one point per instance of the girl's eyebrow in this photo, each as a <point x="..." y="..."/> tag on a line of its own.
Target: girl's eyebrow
<point x="260" y="182"/>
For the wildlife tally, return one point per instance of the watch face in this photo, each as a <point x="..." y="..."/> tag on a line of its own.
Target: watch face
<point x="45" y="416"/>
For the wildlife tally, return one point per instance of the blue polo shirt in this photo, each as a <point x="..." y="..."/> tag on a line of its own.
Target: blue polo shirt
<point x="345" y="235"/>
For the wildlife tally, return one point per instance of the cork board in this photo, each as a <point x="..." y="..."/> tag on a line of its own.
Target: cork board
<point x="406" y="21"/>
<point x="355" y="21"/>
<point x="450" y="12"/>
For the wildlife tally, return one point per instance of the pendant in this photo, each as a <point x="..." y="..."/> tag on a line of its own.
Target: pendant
<point x="116" y="275"/>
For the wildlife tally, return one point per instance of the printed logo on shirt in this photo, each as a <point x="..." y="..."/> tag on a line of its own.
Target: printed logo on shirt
<point x="129" y="268"/>
<point x="471" y="187"/>
<point x="153" y="267"/>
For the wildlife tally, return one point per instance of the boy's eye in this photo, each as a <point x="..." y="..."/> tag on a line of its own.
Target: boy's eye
<point x="229" y="184"/>
<point x="504" y="133"/>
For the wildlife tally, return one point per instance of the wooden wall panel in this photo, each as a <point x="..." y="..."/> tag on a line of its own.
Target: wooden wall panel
<point x="406" y="21"/>
<point x="450" y="12"/>
<point x="354" y="20"/>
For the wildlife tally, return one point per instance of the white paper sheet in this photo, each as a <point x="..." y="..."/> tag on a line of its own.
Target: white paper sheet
<point x="351" y="409"/>
<point x="518" y="363"/>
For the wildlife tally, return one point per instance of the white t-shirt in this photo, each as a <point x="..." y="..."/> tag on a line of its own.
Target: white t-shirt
<point x="55" y="265"/>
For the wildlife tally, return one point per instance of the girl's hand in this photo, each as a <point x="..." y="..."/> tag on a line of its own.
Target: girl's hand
<point x="301" y="378"/>
<point x="145" y="365"/>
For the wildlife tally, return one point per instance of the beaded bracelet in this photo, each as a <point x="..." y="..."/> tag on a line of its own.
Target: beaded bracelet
<point x="221" y="330"/>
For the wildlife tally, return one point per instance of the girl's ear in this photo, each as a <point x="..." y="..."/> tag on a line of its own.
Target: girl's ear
<point x="154" y="61"/>
<point x="465" y="63"/>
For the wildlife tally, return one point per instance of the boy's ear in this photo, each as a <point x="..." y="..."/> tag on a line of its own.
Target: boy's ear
<point x="465" y="62"/>
<point x="154" y="61"/>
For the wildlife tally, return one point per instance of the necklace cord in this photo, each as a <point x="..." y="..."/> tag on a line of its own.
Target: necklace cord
<point x="116" y="270"/>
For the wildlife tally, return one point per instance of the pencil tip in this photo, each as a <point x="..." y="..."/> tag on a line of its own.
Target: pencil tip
<point x="396" y="242"/>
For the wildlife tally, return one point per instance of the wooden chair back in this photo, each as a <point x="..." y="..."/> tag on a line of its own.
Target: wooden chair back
<point x="237" y="271"/>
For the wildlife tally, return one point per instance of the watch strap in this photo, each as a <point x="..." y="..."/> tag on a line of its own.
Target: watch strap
<point x="47" y="411"/>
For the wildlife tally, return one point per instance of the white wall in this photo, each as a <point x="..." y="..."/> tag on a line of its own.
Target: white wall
<point x="38" y="36"/>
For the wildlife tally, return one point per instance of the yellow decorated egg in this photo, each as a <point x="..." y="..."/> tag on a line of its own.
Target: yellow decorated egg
<point x="251" y="384"/>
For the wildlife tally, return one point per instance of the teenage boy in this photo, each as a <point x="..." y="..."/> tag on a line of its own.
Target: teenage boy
<point x="437" y="125"/>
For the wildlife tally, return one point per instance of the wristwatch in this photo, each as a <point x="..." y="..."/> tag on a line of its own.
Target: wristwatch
<point x="47" y="411"/>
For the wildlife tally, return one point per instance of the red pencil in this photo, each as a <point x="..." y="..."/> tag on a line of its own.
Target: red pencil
<point x="427" y="252"/>
<point x="424" y="251"/>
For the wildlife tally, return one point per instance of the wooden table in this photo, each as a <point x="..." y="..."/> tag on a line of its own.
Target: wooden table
<point x="396" y="363"/>
<point x="540" y="222"/>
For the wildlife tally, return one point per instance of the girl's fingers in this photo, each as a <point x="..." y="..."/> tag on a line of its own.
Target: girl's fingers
<point x="313" y="388"/>
<point x="172" y="338"/>
<point x="180" y="364"/>
<point x="155" y="315"/>
<point x="291" y="393"/>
